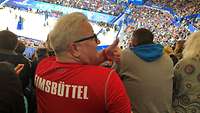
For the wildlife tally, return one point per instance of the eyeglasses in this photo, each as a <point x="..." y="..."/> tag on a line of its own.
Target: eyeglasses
<point x="88" y="38"/>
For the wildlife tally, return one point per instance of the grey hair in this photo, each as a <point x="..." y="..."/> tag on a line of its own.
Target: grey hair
<point x="192" y="45"/>
<point x="66" y="31"/>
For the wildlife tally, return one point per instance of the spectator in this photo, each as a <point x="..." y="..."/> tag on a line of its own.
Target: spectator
<point x="103" y="6"/>
<point x="186" y="96"/>
<point x="71" y="79"/>
<point x="8" y="43"/>
<point x="179" y="49"/>
<point x="40" y="54"/>
<point x="158" y="21"/>
<point x="20" y="48"/>
<point x="11" y="95"/>
<point x="181" y="7"/>
<point x="170" y="52"/>
<point x="147" y="74"/>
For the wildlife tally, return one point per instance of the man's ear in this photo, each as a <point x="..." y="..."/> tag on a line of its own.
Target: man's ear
<point x="74" y="50"/>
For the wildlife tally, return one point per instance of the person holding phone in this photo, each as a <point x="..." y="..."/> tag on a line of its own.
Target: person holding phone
<point x="72" y="81"/>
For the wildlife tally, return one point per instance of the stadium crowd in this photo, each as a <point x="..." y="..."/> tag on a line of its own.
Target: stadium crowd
<point x="195" y="21"/>
<point x="102" y="6"/>
<point x="159" y="22"/>
<point x="182" y="9"/>
<point x="180" y="6"/>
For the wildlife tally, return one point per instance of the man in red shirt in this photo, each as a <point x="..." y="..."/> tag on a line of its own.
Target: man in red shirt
<point x="72" y="82"/>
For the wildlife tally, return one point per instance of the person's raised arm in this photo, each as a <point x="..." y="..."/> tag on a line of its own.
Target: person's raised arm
<point x="110" y="53"/>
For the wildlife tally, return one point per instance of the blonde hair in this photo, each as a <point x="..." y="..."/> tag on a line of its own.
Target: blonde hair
<point x="67" y="30"/>
<point x="192" y="45"/>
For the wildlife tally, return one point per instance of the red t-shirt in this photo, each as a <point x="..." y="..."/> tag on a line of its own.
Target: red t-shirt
<point x="76" y="88"/>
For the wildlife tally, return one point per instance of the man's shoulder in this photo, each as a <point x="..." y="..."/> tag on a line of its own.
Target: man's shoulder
<point x="47" y="60"/>
<point x="45" y="63"/>
<point x="97" y="69"/>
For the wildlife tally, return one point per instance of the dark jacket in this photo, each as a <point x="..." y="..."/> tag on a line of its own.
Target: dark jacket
<point x="15" y="60"/>
<point x="11" y="93"/>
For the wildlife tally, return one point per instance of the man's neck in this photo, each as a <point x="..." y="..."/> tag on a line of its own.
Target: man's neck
<point x="67" y="59"/>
